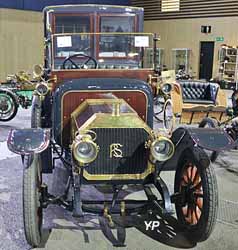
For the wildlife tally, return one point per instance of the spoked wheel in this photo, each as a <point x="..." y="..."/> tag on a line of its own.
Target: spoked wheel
<point x="8" y="106"/>
<point x="198" y="203"/>
<point x="210" y="123"/>
<point x="159" y="103"/>
<point x="32" y="209"/>
<point x="168" y="116"/>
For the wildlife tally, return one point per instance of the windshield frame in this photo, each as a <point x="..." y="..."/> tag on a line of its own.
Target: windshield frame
<point x="95" y="41"/>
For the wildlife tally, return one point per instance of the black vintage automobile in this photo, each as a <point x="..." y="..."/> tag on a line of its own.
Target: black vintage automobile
<point x="93" y="109"/>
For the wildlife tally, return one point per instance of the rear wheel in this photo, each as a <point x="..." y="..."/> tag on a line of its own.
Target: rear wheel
<point x="8" y="106"/>
<point x="197" y="206"/>
<point x="210" y="123"/>
<point x="168" y="116"/>
<point x="159" y="102"/>
<point x="32" y="209"/>
<point x="36" y="112"/>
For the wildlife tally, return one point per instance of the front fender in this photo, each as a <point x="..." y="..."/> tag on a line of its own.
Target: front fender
<point x="197" y="139"/>
<point x="28" y="141"/>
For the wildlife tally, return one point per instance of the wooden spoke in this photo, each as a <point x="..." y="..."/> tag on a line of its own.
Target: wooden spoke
<point x="192" y="182"/>
<point x="197" y="178"/>
<point x="189" y="172"/>
<point x="194" y="173"/>
<point x="189" y="215"/>
<point x="199" y="203"/>
<point x="198" y="213"/>
<point x="185" y="210"/>
<point x="185" y="179"/>
<point x="199" y="185"/>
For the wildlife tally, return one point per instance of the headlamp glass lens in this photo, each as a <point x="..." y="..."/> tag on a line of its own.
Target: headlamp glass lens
<point x="84" y="148"/>
<point x="167" y="88"/>
<point x="162" y="147"/>
<point x="85" y="152"/>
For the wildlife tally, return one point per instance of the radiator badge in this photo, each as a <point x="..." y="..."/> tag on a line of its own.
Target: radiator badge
<point x="115" y="150"/>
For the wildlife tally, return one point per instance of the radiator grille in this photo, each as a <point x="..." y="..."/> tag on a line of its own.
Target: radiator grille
<point x="135" y="157"/>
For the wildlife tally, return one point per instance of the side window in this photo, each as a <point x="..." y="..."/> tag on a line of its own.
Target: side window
<point x="72" y="24"/>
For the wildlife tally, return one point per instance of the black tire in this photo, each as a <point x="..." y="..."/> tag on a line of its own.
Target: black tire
<point x="159" y="102"/>
<point x="168" y="119"/>
<point x="36" y="112"/>
<point x="198" y="204"/>
<point x="32" y="210"/>
<point x="8" y="113"/>
<point x="210" y="123"/>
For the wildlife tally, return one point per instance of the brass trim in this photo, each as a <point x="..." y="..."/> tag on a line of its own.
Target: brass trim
<point x="88" y="125"/>
<point x="115" y="150"/>
<point x="149" y="170"/>
<point x="116" y="121"/>
<point x="105" y="91"/>
<point x="123" y="208"/>
<point x="88" y="102"/>
<point x="103" y="33"/>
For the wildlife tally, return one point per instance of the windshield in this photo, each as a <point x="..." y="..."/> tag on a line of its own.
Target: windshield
<point x="109" y="50"/>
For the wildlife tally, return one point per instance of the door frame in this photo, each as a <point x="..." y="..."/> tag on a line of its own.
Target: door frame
<point x="199" y="55"/>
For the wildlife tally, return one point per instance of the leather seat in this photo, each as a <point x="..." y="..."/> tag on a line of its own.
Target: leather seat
<point x="199" y="92"/>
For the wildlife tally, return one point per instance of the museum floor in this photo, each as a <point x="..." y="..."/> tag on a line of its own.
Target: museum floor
<point x="69" y="233"/>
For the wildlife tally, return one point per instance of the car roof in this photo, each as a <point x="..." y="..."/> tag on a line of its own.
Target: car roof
<point x="92" y="7"/>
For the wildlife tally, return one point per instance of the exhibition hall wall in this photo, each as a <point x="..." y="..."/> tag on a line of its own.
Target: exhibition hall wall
<point x="21" y="32"/>
<point x="179" y="26"/>
<point x="186" y="33"/>
<point x="21" y="39"/>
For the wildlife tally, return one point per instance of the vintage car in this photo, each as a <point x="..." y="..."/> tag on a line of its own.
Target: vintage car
<point x="93" y="110"/>
<point x="15" y="92"/>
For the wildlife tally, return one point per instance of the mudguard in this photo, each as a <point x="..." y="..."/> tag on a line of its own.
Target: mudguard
<point x="196" y="139"/>
<point x="28" y="141"/>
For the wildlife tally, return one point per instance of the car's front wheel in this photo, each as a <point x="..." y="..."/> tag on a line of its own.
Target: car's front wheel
<point x="196" y="187"/>
<point x="32" y="209"/>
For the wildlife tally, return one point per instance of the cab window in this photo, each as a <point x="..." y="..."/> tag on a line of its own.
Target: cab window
<point x="117" y="24"/>
<point x="72" y="24"/>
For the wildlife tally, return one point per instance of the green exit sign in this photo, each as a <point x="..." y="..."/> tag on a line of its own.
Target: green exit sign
<point x="220" y="39"/>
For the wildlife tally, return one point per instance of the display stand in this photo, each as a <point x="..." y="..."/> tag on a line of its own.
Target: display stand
<point x="228" y="65"/>
<point x="149" y="58"/>
<point x="181" y="59"/>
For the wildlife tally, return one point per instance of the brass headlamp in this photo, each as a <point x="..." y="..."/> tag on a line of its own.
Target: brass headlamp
<point x="161" y="149"/>
<point x="84" y="149"/>
<point x="42" y="89"/>
<point x="166" y="88"/>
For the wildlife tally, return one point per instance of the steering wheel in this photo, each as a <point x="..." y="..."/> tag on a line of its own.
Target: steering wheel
<point x="76" y="66"/>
